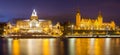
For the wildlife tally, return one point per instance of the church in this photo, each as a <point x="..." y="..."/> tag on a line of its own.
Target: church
<point x="90" y="24"/>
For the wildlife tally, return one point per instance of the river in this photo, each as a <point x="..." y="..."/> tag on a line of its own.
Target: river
<point x="57" y="46"/>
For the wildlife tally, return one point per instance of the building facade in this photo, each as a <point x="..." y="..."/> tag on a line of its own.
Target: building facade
<point x="96" y="24"/>
<point x="33" y="25"/>
<point x="92" y="27"/>
<point x="83" y="26"/>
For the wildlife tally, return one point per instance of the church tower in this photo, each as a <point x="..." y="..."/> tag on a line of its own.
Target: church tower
<point x="34" y="15"/>
<point x="78" y="18"/>
<point x="100" y="18"/>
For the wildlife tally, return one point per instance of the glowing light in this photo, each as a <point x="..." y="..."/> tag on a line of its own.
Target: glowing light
<point x="16" y="47"/>
<point x="10" y="46"/>
<point x="30" y="45"/>
<point x="97" y="47"/>
<point x="52" y="47"/>
<point x="107" y="46"/>
<point x="34" y="13"/>
<point x="46" y="48"/>
<point x="92" y="41"/>
<point x="72" y="46"/>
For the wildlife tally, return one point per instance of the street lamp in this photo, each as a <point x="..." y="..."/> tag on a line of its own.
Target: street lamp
<point x="72" y="26"/>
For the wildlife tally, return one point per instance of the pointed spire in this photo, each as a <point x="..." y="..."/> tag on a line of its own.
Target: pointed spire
<point x="78" y="10"/>
<point x="34" y="13"/>
<point x="99" y="14"/>
<point x="78" y="18"/>
<point x="100" y="18"/>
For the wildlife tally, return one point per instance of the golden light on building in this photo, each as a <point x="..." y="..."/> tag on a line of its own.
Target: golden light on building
<point x="33" y="25"/>
<point x="88" y="24"/>
<point x="82" y="26"/>
<point x="78" y="19"/>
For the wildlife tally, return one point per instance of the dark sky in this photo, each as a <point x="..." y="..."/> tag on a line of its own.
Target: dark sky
<point x="59" y="10"/>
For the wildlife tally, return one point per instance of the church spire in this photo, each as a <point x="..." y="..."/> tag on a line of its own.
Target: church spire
<point x="100" y="18"/>
<point x="34" y="13"/>
<point x="100" y="14"/>
<point x="78" y="18"/>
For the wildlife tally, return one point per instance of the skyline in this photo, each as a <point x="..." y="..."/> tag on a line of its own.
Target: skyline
<point x="58" y="10"/>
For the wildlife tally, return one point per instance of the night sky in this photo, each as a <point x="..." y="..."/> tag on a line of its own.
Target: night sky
<point x="60" y="10"/>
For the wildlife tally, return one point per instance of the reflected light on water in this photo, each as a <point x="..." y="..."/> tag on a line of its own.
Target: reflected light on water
<point x="82" y="46"/>
<point x="55" y="46"/>
<point x="52" y="47"/>
<point x="10" y="46"/>
<point x="91" y="47"/>
<point x="78" y="46"/>
<point x="72" y="46"/>
<point x="16" y="47"/>
<point x="30" y="46"/>
<point x="39" y="47"/>
<point x="92" y="42"/>
<point x="35" y="47"/>
<point x="98" y="47"/>
<point x="107" y="46"/>
<point x="117" y="42"/>
<point x="46" y="48"/>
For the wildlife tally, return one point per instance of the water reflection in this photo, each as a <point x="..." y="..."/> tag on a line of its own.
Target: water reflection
<point x="16" y="47"/>
<point x="98" y="46"/>
<point x="46" y="47"/>
<point x="10" y="46"/>
<point x="56" y="46"/>
<point x="91" y="47"/>
<point x="52" y="45"/>
<point x="71" y="46"/>
<point x="107" y="46"/>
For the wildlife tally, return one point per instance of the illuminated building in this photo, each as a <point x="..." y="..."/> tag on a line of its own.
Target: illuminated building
<point x="92" y="27"/>
<point x="83" y="26"/>
<point x="89" y="24"/>
<point x="32" y="25"/>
